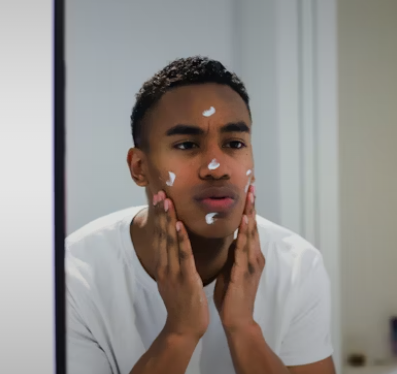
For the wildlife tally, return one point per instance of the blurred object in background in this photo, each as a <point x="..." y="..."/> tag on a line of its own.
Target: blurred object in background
<point x="367" y="50"/>
<point x="393" y="333"/>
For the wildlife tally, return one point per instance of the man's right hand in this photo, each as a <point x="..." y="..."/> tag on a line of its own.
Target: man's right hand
<point x="179" y="284"/>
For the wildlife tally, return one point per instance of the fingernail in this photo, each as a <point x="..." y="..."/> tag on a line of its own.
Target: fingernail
<point x="245" y="219"/>
<point x="166" y="205"/>
<point x="178" y="226"/>
<point x="252" y="197"/>
<point x="155" y="200"/>
<point x="253" y="189"/>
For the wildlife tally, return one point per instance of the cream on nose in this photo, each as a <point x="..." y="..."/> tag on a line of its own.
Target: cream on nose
<point x="214" y="164"/>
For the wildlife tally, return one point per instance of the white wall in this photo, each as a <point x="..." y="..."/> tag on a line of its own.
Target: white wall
<point x="27" y="266"/>
<point x="257" y="47"/>
<point x="368" y="171"/>
<point x="112" y="47"/>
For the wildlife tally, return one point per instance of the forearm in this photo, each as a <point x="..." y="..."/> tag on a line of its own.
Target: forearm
<point x="169" y="353"/>
<point x="251" y="354"/>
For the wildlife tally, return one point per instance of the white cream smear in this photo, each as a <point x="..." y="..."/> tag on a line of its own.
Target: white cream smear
<point x="209" y="218"/>
<point x="249" y="172"/>
<point x="209" y="112"/>
<point x="170" y="181"/>
<point x="213" y="164"/>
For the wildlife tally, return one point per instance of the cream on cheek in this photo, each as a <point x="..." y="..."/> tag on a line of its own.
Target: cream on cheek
<point x="249" y="174"/>
<point x="171" y="179"/>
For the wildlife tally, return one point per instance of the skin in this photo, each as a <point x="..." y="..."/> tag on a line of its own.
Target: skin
<point x="182" y="252"/>
<point x="188" y="156"/>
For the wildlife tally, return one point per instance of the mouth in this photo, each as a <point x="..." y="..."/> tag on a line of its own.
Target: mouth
<point x="218" y="204"/>
<point x="217" y="199"/>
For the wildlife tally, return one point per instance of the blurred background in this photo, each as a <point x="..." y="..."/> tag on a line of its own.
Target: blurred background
<point x="322" y="76"/>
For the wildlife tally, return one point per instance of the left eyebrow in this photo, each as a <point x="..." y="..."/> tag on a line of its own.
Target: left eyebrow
<point x="235" y="127"/>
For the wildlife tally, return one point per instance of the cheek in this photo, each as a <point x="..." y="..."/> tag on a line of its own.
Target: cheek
<point x="155" y="178"/>
<point x="181" y="198"/>
<point x="248" y="177"/>
<point x="171" y="179"/>
<point x="175" y="183"/>
<point x="243" y="179"/>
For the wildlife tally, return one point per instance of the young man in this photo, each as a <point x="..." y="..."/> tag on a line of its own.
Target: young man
<point x="195" y="282"/>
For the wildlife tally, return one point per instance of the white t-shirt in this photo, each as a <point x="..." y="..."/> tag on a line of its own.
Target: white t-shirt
<point x="114" y="309"/>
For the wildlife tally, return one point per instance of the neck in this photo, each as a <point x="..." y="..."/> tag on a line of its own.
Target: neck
<point x="210" y="254"/>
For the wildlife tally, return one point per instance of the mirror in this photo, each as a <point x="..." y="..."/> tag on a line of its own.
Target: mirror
<point x="212" y="103"/>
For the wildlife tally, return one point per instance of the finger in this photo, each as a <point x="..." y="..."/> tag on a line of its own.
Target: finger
<point x="252" y="243"/>
<point x="253" y="200"/>
<point x="241" y="242"/>
<point x="160" y="235"/>
<point x="156" y="241"/>
<point x="253" y="236"/>
<point x="186" y="259"/>
<point x="172" y="242"/>
<point x="250" y="201"/>
<point x="161" y="195"/>
<point x="259" y="257"/>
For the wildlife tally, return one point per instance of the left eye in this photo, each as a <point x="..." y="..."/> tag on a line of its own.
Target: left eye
<point x="235" y="144"/>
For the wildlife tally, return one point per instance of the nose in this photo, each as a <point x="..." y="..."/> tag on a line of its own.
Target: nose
<point x="214" y="168"/>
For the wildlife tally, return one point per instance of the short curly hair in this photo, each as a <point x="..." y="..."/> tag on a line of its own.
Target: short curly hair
<point x="180" y="72"/>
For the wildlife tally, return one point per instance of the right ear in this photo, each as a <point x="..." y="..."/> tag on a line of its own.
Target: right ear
<point x="135" y="161"/>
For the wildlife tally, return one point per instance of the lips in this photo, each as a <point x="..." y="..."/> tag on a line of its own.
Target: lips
<point x="216" y="192"/>
<point x="218" y="204"/>
<point x="217" y="199"/>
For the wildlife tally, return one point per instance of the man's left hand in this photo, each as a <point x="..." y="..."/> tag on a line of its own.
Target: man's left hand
<point x="236" y="286"/>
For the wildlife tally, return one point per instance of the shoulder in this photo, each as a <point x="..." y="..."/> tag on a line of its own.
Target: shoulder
<point x="96" y="250"/>
<point x="98" y="226"/>
<point x="288" y="255"/>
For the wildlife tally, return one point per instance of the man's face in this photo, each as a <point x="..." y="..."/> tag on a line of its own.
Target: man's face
<point x="201" y="156"/>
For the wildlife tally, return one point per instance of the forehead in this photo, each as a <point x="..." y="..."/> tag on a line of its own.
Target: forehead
<point x="186" y="104"/>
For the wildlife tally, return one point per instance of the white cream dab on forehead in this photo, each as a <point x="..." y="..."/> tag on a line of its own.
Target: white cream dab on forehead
<point x="209" y="218"/>
<point x="213" y="164"/>
<point x="171" y="180"/>
<point x="209" y="112"/>
<point x="248" y="172"/>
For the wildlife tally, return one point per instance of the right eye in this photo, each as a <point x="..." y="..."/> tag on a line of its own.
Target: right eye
<point x="186" y="146"/>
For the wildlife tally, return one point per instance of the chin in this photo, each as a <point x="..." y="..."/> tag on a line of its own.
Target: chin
<point x="220" y="228"/>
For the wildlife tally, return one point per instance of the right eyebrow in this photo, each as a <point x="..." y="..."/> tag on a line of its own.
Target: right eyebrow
<point x="184" y="130"/>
